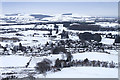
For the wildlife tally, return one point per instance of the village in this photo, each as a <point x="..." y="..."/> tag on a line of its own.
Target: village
<point x="47" y="40"/>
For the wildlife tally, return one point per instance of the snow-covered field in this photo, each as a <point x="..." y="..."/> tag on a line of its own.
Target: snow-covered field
<point x="19" y="61"/>
<point x="83" y="72"/>
<point x="17" y="26"/>
<point x="72" y="72"/>
<point x="107" y="24"/>
<point x="107" y="41"/>
<point x="13" y="61"/>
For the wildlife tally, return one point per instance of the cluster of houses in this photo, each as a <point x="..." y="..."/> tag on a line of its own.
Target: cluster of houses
<point x="86" y="42"/>
<point x="57" y="46"/>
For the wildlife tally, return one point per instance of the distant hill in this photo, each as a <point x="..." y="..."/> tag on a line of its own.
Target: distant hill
<point x="67" y="14"/>
<point x="40" y="16"/>
<point x="12" y="14"/>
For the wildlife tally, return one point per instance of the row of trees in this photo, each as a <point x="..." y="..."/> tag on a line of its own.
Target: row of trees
<point x="45" y="65"/>
<point x="89" y="36"/>
<point x="84" y="27"/>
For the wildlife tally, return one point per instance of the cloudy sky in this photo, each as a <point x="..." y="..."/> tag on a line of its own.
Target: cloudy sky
<point x="82" y="8"/>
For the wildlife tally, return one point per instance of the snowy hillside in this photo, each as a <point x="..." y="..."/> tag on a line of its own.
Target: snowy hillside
<point x="82" y="72"/>
<point x="72" y="17"/>
<point x="79" y="56"/>
<point x="45" y="46"/>
<point x="75" y="72"/>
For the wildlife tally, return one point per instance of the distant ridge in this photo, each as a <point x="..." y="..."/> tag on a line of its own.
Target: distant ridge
<point x="12" y="14"/>
<point x="67" y="14"/>
<point x="40" y="16"/>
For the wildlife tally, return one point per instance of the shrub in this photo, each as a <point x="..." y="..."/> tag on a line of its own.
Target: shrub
<point x="43" y="66"/>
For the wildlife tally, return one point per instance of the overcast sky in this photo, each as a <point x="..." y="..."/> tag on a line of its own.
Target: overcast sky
<point x="82" y="8"/>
